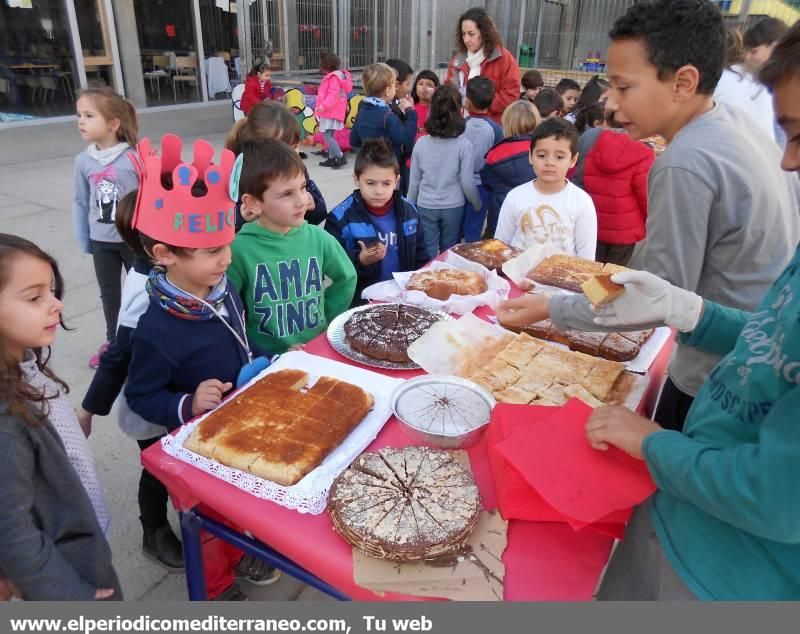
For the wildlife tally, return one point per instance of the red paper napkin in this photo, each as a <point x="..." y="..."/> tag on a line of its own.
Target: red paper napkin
<point x="586" y="485"/>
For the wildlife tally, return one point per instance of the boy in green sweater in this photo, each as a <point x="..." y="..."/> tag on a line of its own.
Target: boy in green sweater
<point x="280" y="262"/>
<point x="725" y="521"/>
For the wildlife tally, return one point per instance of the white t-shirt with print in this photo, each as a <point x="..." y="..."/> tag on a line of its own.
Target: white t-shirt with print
<point x="567" y="220"/>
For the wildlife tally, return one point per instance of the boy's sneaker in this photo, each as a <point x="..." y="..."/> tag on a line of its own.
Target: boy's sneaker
<point x="253" y="570"/>
<point x="303" y="155"/>
<point x="94" y="360"/>
<point x="231" y="593"/>
<point x="321" y="153"/>
<point x="339" y="162"/>
<point x="161" y="545"/>
<point x="330" y="162"/>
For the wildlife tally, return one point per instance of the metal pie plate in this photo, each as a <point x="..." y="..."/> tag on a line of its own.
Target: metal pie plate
<point x="444" y="410"/>
<point x="338" y="341"/>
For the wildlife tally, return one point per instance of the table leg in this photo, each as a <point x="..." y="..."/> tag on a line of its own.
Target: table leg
<point x="193" y="556"/>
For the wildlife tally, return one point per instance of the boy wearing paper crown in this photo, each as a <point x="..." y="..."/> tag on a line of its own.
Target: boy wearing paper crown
<point x="280" y="262"/>
<point x="190" y="346"/>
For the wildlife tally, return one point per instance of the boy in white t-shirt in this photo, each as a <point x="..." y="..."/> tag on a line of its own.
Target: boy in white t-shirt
<point x="550" y="209"/>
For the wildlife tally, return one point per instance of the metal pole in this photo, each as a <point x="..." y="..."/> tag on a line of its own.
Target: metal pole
<point x="413" y="57"/>
<point x="433" y="38"/>
<point x="539" y="19"/>
<point x="243" y="23"/>
<point x="201" y="57"/>
<point x="77" y="48"/>
<point x="114" y="46"/>
<point x="374" y="30"/>
<point x="523" y="14"/>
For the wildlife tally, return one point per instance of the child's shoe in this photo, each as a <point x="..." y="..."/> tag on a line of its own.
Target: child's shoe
<point x="94" y="360"/>
<point x="161" y="545"/>
<point x="338" y="162"/>
<point x="321" y="153"/>
<point x="253" y="570"/>
<point x="232" y="593"/>
<point x="329" y="162"/>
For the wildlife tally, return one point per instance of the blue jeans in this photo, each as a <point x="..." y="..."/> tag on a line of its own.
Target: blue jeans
<point x="442" y="228"/>
<point x="474" y="220"/>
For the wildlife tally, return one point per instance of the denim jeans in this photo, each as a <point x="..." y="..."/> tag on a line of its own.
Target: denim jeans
<point x="475" y="219"/>
<point x="442" y="228"/>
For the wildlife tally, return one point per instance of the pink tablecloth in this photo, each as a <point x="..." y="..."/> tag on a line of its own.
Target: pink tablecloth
<point x="544" y="561"/>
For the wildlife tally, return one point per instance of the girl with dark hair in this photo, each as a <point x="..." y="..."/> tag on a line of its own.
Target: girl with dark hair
<point x="257" y="86"/>
<point x="593" y="92"/>
<point x="759" y="41"/>
<point x="481" y="52"/>
<point x="442" y="167"/>
<point x="52" y="529"/>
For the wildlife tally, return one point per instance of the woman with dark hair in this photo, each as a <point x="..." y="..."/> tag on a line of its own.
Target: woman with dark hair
<point x="442" y="177"/>
<point x="593" y="92"/>
<point x="737" y="88"/>
<point x="759" y="40"/>
<point x="481" y="52"/>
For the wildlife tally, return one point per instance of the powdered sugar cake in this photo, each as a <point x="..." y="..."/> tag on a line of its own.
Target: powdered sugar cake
<point x="279" y="431"/>
<point x="490" y="253"/>
<point x="405" y="504"/>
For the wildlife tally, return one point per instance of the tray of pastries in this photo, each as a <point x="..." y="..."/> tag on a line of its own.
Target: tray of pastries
<point x="280" y="429"/>
<point x="379" y="335"/>
<point x="528" y="371"/>
<point x="615" y="346"/>
<point x="442" y="283"/>
<point x="570" y="273"/>
<point x="490" y="253"/>
<point x="407" y="504"/>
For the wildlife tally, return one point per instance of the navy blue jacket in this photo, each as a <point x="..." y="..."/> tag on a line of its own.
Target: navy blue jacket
<point x="507" y="166"/>
<point x="172" y="356"/>
<point x="350" y="222"/>
<point x="375" y="122"/>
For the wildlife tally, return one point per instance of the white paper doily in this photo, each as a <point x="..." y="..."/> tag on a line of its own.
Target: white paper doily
<point x="310" y="495"/>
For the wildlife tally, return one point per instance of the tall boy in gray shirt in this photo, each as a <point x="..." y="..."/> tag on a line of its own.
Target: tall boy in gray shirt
<point x="722" y="217"/>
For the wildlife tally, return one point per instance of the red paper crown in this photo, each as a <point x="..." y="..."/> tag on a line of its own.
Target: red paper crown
<point x="174" y="216"/>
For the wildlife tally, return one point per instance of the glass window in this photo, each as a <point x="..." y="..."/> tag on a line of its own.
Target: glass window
<point x="220" y="44"/>
<point x="37" y="73"/>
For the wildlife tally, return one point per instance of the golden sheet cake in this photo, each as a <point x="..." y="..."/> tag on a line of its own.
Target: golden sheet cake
<point x="279" y="430"/>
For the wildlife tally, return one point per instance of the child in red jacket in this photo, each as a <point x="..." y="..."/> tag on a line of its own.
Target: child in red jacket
<point x="615" y="176"/>
<point x="257" y="86"/>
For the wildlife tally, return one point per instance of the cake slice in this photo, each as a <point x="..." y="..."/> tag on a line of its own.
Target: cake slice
<point x="599" y="289"/>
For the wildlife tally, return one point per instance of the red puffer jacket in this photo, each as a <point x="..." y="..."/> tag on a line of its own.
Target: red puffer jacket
<point x="615" y="177"/>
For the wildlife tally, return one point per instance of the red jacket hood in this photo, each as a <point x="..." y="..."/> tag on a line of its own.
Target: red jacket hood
<point x="616" y="152"/>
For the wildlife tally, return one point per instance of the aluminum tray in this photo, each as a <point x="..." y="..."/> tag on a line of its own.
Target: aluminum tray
<point x="447" y="411"/>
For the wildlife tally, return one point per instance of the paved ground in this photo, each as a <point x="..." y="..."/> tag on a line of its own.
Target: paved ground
<point x="35" y="202"/>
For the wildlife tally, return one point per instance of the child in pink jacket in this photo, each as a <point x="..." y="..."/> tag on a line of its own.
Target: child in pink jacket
<point x="332" y="106"/>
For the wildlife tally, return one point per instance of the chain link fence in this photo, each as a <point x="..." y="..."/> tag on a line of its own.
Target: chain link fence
<point x="562" y="38"/>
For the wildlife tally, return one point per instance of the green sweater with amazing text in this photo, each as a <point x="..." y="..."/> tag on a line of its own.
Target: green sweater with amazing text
<point x="281" y="278"/>
<point x="727" y="511"/>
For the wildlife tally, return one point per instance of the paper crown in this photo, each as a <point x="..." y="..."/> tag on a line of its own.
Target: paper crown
<point x="174" y="216"/>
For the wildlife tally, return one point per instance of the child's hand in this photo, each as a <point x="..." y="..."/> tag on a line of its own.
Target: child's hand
<point x="8" y="590"/>
<point x="103" y="593"/>
<point x="523" y="311"/>
<point x="372" y="254"/>
<point x="620" y="427"/>
<point x="310" y="205"/>
<point x="405" y="103"/>
<point x="208" y="395"/>
<point x="298" y="347"/>
<point x="84" y="420"/>
<point x="249" y="214"/>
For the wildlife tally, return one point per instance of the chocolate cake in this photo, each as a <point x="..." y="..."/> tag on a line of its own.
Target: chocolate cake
<point x="385" y="331"/>
<point x="490" y="253"/>
<point x="405" y="504"/>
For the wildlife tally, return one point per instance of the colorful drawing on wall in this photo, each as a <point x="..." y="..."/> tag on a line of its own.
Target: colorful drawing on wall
<point x="302" y="107"/>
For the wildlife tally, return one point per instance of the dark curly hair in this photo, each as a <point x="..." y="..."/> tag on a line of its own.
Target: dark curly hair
<point x="444" y="119"/>
<point x="491" y="38"/>
<point x="784" y="63"/>
<point x="678" y="33"/>
<point x="329" y="62"/>
<point x="19" y="398"/>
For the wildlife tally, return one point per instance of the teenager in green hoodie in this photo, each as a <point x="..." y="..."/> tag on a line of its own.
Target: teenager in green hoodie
<point x="724" y="522"/>
<point x="280" y="262"/>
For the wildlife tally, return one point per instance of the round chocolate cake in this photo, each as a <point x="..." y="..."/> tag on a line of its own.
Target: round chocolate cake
<point x="405" y="504"/>
<point x="385" y="331"/>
